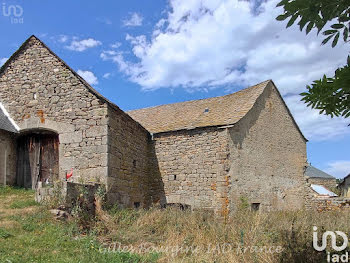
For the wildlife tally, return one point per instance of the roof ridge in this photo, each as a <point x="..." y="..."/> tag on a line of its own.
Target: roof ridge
<point x="210" y="98"/>
<point x="83" y="81"/>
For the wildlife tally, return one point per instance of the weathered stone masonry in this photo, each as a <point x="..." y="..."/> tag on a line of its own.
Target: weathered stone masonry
<point x="270" y="172"/>
<point x="129" y="178"/>
<point x="40" y="92"/>
<point x="192" y="166"/>
<point x="208" y="155"/>
<point x="215" y="167"/>
<point x="96" y="139"/>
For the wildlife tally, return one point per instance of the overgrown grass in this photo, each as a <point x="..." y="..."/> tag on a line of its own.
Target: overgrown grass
<point x="185" y="236"/>
<point x="19" y="204"/>
<point x="29" y="233"/>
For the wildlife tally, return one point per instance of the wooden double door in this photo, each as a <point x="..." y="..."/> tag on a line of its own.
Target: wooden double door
<point x="37" y="159"/>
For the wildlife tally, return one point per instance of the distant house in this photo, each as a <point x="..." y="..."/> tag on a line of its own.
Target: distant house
<point x="318" y="177"/>
<point x="322" y="191"/>
<point x="345" y="185"/>
<point x="8" y="129"/>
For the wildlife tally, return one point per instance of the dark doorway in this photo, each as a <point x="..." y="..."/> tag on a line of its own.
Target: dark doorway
<point x="37" y="159"/>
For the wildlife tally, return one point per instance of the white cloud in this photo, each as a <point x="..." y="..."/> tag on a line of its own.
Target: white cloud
<point x="314" y="126"/>
<point x="2" y="61"/>
<point x="107" y="75"/>
<point x="229" y="42"/>
<point x="338" y="169"/>
<point x="117" y="57"/>
<point x="88" y="76"/>
<point x="62" y="38"/>
<point x="205" y="44"/>
<point x="115" y="45"/>
<point x="82" y="45"/>
<point x="104" y="20"/>
<point x="134" y="20"/>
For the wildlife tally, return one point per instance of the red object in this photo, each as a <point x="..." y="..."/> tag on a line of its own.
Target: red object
<point x="69" y="175"/>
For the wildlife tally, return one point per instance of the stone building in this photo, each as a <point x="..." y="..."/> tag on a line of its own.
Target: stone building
<point x="207" y="154"/>
<point x="344" y="186"/>
<point x="211" y="153"/>
<point x="318" y="177"/>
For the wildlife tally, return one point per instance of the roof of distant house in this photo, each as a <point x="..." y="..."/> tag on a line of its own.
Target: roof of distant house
<point x="313" y="172"/>
<point x="217" y="111"/>
<point x="321" y="190"/>
<point x="6" y="123"/>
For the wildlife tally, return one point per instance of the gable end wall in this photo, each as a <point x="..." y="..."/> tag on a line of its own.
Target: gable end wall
<point x="267" y="156"/>
<point x="39" y="91"/>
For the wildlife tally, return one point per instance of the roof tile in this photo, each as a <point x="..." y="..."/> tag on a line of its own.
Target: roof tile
<point x="217" y="111"/>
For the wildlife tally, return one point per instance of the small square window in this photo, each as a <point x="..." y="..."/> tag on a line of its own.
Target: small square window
<point x="136" y="204"/>
<point x="255" y="206"/>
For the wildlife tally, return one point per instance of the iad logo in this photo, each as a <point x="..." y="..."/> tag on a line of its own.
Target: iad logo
<point x="332" y="235"/>
<point x="15" y="12"/>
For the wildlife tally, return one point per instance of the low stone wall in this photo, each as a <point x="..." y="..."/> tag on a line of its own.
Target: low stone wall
<point x="331" y="203"/>
<point x="71" y="194"/>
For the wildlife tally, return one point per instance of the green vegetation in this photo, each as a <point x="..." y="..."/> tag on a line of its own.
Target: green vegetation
<point x="29" y="233"/>
<point x="32" y="234"/>
<point x="23" y="204"/>
<point x="331" y="95"/>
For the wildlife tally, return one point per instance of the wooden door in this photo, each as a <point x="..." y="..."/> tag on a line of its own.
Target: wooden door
<point x="49" y="159"/>
<point x="37" y="159"/>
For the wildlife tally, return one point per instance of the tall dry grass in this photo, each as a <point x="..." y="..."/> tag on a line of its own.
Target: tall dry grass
<point x="185" y="236"/>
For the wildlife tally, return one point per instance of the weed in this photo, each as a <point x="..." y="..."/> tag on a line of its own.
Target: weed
<point x="19" y="204"/>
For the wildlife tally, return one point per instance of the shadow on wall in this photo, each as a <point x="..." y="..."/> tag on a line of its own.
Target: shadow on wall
<point x="237" y="135"/>
<point x="240" y="131"/>
<point x="155" y="183"/>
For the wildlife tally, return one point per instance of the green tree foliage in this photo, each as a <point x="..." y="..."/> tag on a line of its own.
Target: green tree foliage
<point x="331" y="18"/>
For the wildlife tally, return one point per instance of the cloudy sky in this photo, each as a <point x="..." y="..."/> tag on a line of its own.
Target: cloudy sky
<point x="146" y="53"/>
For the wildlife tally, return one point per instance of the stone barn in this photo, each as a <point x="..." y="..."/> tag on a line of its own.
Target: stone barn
<point x="208" y="154"/>
<point x="318" y="177"/>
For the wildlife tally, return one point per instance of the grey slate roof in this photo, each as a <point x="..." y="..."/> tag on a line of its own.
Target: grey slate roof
<point x="5" y="122"/>
<point x="313" y="172"/>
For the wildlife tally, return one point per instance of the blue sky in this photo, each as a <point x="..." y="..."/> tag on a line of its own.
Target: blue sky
<point x="146" y="53"/>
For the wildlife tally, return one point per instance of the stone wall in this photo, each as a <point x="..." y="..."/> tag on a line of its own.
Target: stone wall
<point x="323" y="203"/>
<point x="330" y="184"/>
<point x="41" y="92"/>
<point x="7" y="158"/>
<point x="345" y="186"/>
<point x="130" y="181"/>
<point x="267" y="157"/>
<point x="192" y="165"/>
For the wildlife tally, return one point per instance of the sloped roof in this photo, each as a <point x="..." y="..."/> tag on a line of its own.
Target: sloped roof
<point x="217" y="111"/>
<point x="321" y="190"/>
<point x="6" y="123"/>
<point x="313" y="172"/>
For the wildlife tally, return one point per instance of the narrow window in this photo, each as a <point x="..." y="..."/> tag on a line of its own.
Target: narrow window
<point x="175" y="177"/>
<point x="134" y="163"/>
<point x="255" y="206"/>
<point x="136" y="204"/>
